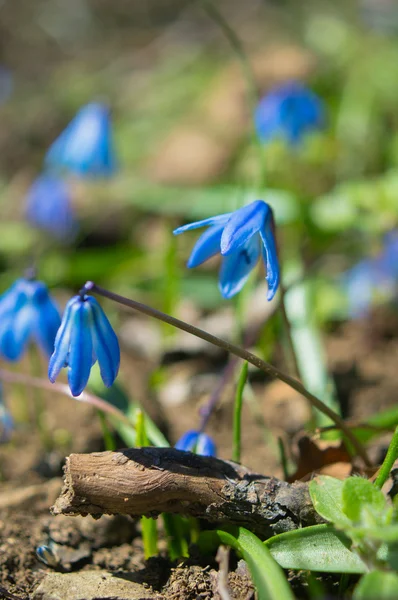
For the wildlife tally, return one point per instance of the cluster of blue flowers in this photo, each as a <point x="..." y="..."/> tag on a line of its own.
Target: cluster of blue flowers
<point x="84" y="336"/>
<point x="85" y="149"/>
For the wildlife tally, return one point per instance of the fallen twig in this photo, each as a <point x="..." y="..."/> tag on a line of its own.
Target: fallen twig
<point x="149" y="481"/>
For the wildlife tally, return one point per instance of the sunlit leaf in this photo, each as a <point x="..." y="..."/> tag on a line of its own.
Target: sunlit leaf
<point x="316" y="548"/>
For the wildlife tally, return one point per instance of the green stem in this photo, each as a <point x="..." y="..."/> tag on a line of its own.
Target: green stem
<point x="391" y="457"/>
<point x="238" y="412"/>
<point x="109" y="438"/>
<point x="291" y="353"/>
<point x="241" y="353"/>
<point x="283" y="458"/>
<point x="247" y="71"/>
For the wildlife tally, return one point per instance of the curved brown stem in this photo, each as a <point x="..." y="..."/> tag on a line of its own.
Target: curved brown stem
<point x="242" y="353"/>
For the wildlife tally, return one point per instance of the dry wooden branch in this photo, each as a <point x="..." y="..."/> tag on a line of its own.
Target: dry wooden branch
<point x="148" y="481"/>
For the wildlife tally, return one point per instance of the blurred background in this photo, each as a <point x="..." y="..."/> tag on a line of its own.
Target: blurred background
<point x="181" y="120"/>
<point x="183" y="139"/>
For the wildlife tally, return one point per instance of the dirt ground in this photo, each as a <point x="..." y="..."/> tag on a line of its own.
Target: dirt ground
<point x="362" y="357"/>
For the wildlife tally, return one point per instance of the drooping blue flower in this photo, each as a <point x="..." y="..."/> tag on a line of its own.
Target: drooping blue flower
<point x="48" y="206"/>
<point x="372" y="278"/>
<point x="85" y="336"/>
<point x="85" y="147"/>
<point x="288" y="111"/>
<point x="241" y="237"/>
<point x="27" y="313"/>
<point x="197" y="442"/>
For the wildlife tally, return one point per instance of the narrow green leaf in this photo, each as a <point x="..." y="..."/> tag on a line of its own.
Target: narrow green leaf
<point x="175" y="536"/>
<point x="326" y="495"/>
<point x="358" y="493"/>
<point x="377" y="584"/>
<point x="268" y="577"/>
<point x="316" y="548"/>
<point x="148" y="525"/>
<point x="109" y="438"/>
<point x="238" y="412"/>
<point x="386" y="419"/>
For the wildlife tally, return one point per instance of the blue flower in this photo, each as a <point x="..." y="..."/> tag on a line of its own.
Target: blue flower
<point x="85" y="147"/>
<point x="194" y="441"/>
<point x="84" y="337"/>
<point x="48" y="207"/>
<point x="27" y="313"/>
<point x="241" y="237"/>
<point x="372" y="277"/>
<point x="289" y="111"/>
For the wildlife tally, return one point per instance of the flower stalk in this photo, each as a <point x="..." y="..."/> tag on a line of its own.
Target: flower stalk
<point x="251" y="358"/>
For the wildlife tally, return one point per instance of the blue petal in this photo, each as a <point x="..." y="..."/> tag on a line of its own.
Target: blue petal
<point x="49" y="207"/>
<point x="289" y="110"/>
<point x="22" y="327"/>
<point x="270" y="258"/>
<point x="205" y="446"/>
<point x="359" y="285"/>
<point x="85" y="147"/>
<point x="187" y="441"/>
<point x="105" y="343"/>
<point x="218" y="220"/>
<point x="81" y="348"/>
<point x="9" y="298"/>
<point x="208" y="245"/>
<point x="59" y="357"/>
<point x="17" y="322"/>
<point x="242" y="225"/>
<point x="194" y="441"/>
<point x="47" y="323"/>
<point x="236" y="267"/>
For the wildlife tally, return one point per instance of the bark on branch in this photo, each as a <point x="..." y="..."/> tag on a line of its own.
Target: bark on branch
<point x="148" y="481"/>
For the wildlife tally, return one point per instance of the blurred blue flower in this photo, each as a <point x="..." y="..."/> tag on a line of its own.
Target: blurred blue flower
<point x="372" y="277"/>
<point x="48" y="207"/>
<point x="84" y="337"/>
<point x="85" y="147"/>
<point x="6" y="420"/>
<point x="27" y="313"/>
<point x="241" y="237"/>
<point x="199" y="443"/>
<point x="288" y="111"/>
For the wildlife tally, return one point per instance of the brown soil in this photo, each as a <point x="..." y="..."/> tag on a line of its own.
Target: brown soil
<point x="363" y="358"/>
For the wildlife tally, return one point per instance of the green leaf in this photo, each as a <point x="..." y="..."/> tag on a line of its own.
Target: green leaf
<point x="177" y="545"/>
<point x="316" y="548"/>
<point x="358" y="493"/>
<point x="386" y="533"/>
<point x="117" y="396"/>
<point x="326" y="496"/>
<point x="268" y="577"/>
<point x="386" y="419"/>
<point x="377" y="584"/>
